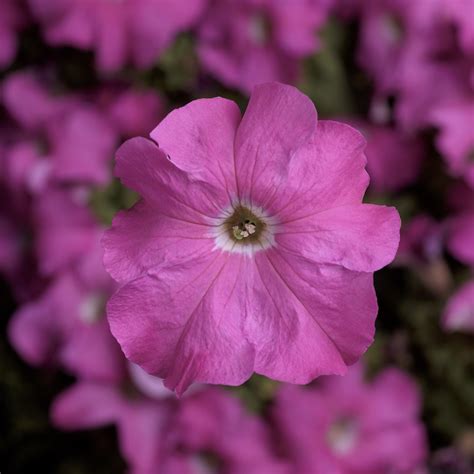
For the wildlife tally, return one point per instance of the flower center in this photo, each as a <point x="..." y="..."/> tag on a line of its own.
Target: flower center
<point x="245" y="229"/>
<point x="92" y="308"/>
<point x="244" y="226"/>
<point x="342" y="435"/>
<point x="260" y="29"/>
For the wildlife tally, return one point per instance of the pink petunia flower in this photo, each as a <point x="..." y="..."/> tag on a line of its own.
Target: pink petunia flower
<point x="142" y="422"/>
<point x="347" y="426"/>
<point x="250" y="250"/>
<point x="459" y="312"/>
<point x="247" y="42"/>
<point x="213" y="422"/>
<point x="64" y="139"/>
<point x="388" y="28"/>
<point x="157" y="431"/>
<point x="119" y="32"/>
<point x="66" y="324"/>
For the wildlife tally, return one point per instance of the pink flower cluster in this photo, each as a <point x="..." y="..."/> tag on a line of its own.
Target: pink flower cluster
<point x="420" y="57"/>
<point x="422" y="54"/>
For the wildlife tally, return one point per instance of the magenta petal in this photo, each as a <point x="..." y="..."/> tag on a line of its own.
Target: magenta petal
<point x="459" y="312"/>
<point x="460" y="237"/>
<point x="86" y="405"/>
<point x="327" y="172"/>
<point x="27" y="100"/>
<point x="309" y="320"/>
<point x="33" y="334"/>
<point x="91" y="352"/>
<point x="362" y="237"/>
<point x="112" y="42"/>
<point x="141" y="430"/>
<point x="278" y="120"/>
<point x="392" y="389"/>
<point x="143" y="167"/>
<point x="204" y="146"/>
<point x="65" y="230"/>
<point x="184" y="322"/>
<point x="83" y="144"/>
<point x="144" y="237"/>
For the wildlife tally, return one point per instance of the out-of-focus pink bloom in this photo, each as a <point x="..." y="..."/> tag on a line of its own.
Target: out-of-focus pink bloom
<point x="142" y="422"/>
<point x="421" y="240"/>
<point x="215" y="423"/>
<point x="66" y="326"/>
<point x="250" y="244"/>
<point x="347" y="426"/>
<point x="387" y="29"/>
<point x="417" y="97"/>
<point x="247" y="42"/>
<point x="135" y="112"/>
<point x="460" y="237"/>
<point x="64" y="139"/>
<point x="120" y="32"/>
<point x="455" y="139"/>
<point x="12" y="18"/>
<point x="394" y="160"/>
<point x="177" y="437"/>
<point x="459" y="312"/>
<point x="66" y="233"/>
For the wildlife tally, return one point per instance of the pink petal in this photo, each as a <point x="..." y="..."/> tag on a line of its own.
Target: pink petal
<point x="33" y="333"/>
<point x="145" y="236"/>
<point x="391" y="390"/>
<point x="460" y="238"/>
<point x="308" y="320"/>
<point x="278" y="120"/>
<point x="402" y="447"/>
<point x="295" y="25"/>
<point x="149" y="38"/>
<point x="86" y="405"/>
<point x="459" y="312"/>
<point x="184" y="322"/>
<point x="141" y="431"/>
<point x="361" y="237"/>
<point x="27" y="100"/>
<point x="199" y="139"/>
<point x="143" y="167"/>
<point x="65" y="230"/>
<point x="83" y="144"/>
<point x="327" y="172"/>
<point x="91" y="352"/>
<point x="112" y="41"/>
